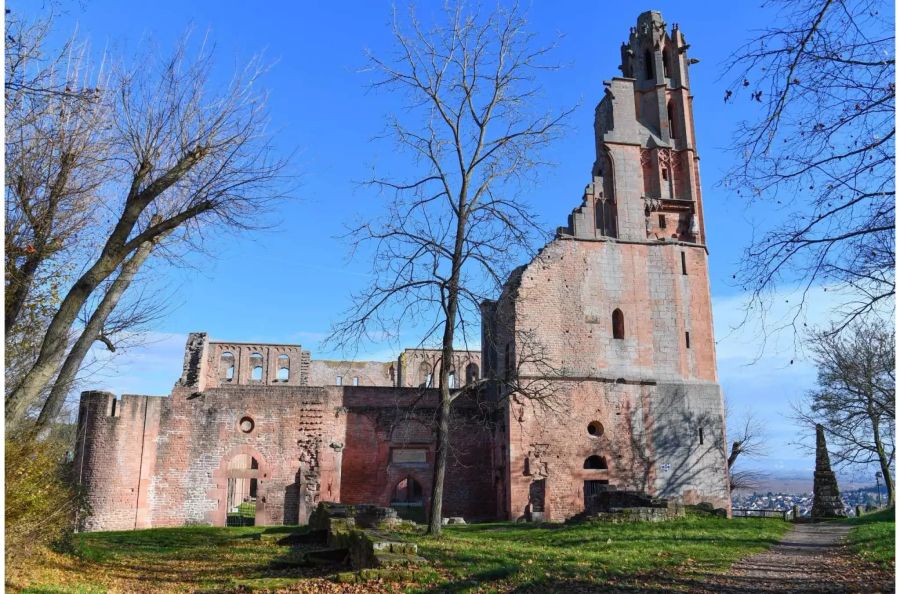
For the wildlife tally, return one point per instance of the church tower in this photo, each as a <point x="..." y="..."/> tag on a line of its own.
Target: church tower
<point x="608" y="332"/>
<point x="645" y="178"/>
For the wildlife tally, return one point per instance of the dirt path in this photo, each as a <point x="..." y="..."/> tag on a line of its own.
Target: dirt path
<point x="810" y="558"/>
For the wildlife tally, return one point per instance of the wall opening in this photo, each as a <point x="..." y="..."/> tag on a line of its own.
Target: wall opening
<point x="451" y="379"/>
<point x="408" y="501"/>
<point x="471" y="373"/>
<point x="595" y="429"/>
<point x="355" y="381"/>
<point x="670" y="112"/>
<point x="593" y="488"/>
<point x="648" y="65"/>
<point x="687" y="340"/>
<point x="666" y="59"/>
<point x="595" y="463"/>
<point x="242" y="491"/>
<point x="256" y="367"/>
<point x="425" y="375"/>
<point x="339" y="381"/>
<point x="226" y="366"/>
<point x="284" y="368"/>
<point x="701" y="435"/>
<point x="683" y="263"/>
<point x="618" y="324"/>
<point x="662" y="221"/>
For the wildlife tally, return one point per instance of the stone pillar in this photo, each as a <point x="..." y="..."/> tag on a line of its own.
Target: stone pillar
<point x="826" y="496"/>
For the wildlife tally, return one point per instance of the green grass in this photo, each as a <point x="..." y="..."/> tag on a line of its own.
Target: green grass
<point x="872" y="536"/>
<point x="543" y="557"/>
<point x="483" y="557"/>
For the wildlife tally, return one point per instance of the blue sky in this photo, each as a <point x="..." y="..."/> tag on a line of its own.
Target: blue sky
<point x="289" y="283"/>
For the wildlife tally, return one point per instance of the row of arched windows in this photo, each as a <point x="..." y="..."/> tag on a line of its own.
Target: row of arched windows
<point x="426" y="375"/>
<point x="227" y="367"/>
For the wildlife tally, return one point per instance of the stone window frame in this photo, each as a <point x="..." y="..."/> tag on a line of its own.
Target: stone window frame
<point x="618" y="324"/>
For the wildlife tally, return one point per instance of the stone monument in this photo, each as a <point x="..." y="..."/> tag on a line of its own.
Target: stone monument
<point x="826" y="497"/>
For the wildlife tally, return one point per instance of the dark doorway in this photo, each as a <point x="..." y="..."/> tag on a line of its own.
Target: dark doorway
<point x="592" y="488"/>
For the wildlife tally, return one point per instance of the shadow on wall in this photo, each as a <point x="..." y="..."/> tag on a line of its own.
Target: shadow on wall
<point x="679" y="447"/>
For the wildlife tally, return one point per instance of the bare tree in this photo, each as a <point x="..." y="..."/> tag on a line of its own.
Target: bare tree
<point x="184" y="154"/>
<point x="819" y="154"/>
<point x="855" y="399"/>
<point x="748" y="440"/>
<point x="55" y="129"/>
<point x="453" y="228"/>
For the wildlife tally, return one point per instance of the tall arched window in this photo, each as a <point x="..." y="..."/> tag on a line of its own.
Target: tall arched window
<point x="451" y="379"/>
<point x="284" y="368"/>
<point x="665" y="57"/>
<point x="256" y="367"/>
<point x="670" y="110"/>
<point x="618" y="323"/>
<point x="424" y="374"/>
<point x="471" y="373"/>
<point x="226" y="366"/>
<point x="648" y="65"/>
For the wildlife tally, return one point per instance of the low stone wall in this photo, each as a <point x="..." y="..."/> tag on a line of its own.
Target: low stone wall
<point x="359" y="529"/>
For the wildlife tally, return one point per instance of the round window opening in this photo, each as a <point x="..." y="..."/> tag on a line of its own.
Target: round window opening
<point x="246" y="424"/>
<point x="595" y="429"/>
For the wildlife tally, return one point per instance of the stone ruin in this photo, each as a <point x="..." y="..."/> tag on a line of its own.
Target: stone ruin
<point x="359" y="535"/>
<point x="617" y="506"/>
<point x="826" y="496"/>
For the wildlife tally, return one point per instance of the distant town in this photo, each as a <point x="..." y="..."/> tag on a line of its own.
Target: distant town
<point x="867" y="497"/>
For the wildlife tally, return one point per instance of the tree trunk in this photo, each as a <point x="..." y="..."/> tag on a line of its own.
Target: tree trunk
<point x="91" y="332"/>
<point x="882" y="455"/>
<point x="54" y="344"/>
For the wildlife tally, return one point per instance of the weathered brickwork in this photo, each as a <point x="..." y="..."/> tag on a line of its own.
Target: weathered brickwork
<point x="618" y="307"/>
<point x="597" y="369"/>
<point x="352" y="373"/>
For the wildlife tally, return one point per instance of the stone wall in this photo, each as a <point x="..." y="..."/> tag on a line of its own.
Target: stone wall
<point x="295" y="434"/>
<point x="116" y="458"/>
<point x="391" y="438"/>
<point x="359" y="373"/>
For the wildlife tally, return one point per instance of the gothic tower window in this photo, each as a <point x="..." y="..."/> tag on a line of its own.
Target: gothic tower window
<point x="665" y="57"/>
<point x="670" y="110"/>
<point x="648" y="65"/>
<point x="618" y="324"/>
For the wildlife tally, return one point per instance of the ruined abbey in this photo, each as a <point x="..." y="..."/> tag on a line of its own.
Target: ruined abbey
<point x="619" y="301"/>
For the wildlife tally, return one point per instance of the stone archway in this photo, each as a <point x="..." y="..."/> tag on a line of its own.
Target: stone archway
<point x="240" y="489"/>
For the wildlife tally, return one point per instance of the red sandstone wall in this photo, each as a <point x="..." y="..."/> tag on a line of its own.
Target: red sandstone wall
<point x="380" y="421"/>
<point x="115" y="458"/>
<point x="292" y="438"/>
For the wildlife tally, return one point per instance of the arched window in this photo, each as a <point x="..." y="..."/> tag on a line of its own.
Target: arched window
<point x="284" y="368"/>
<point x="471" y="373"/>
<point x="226" y="366"/>
<point x="424" y="374"/>
<point x="665" y="57"/>
<point x="595" y="463"/>
<point x="256" y="367"/>
<point x="618" y="323"/>
<point x="407" y="491"/>
<point x="648" y="65"/>
<point x="451" y="379"/>
<point x="670" y="110"/>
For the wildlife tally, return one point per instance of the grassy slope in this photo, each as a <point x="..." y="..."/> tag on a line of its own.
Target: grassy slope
<point x="516" y="555"/>
<point x="872" y="537"/>
<point x="498" y="556"/>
